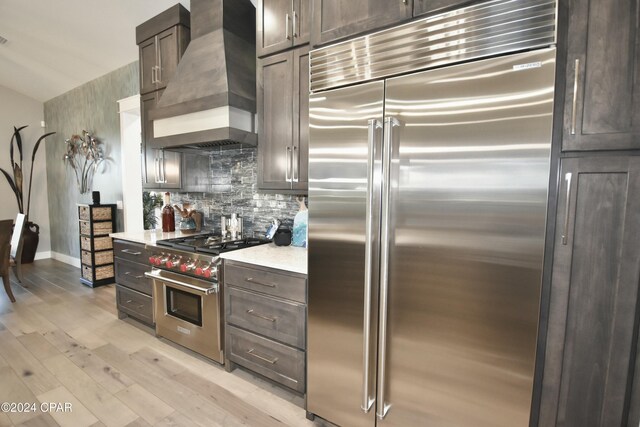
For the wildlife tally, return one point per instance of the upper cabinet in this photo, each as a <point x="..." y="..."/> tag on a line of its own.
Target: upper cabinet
<point x="334" y="20"/>
<point x="162" y="40"/>
<point x="602" y="95"/>
<point x="281" y="24"/>
<point x="283" y="120"/>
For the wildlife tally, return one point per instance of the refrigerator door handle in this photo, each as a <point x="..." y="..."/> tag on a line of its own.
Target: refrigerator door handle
<point x="383" y="406"/>
<point x="367" y="397"/>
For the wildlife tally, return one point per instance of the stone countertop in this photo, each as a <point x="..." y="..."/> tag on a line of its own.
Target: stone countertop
<point x="149" y="237"/>
<point x="288" y="258"/>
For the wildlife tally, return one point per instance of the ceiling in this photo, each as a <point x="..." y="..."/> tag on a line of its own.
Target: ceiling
<point x="55" y="46"/>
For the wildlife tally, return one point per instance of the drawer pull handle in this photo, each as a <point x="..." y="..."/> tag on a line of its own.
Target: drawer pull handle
<point x="252" y="280"/>
<point x="128" y="301"/>
<point x="128" y="273"/>
<point x="130" y="252"/>
<point x="257" y="356"/>
<point x="270" y="319"/>
<point x="140" y="306"/>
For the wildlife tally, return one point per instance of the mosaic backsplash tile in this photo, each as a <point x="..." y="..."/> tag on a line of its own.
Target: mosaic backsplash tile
<point x="226" y="182"/>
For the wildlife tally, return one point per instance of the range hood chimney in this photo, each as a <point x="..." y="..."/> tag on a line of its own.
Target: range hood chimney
<point x="211" y="100"/>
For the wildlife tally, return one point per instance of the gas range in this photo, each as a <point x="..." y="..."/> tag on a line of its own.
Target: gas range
<point x="196" y="255"/>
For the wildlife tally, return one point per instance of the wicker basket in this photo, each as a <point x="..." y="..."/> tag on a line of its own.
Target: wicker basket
<point x="104" y="272"/>
<point x="85" y="228"/>
<point x="101" y="214"/>
<point x="86" y="258"/>
<point x="87" y="272"/>
<point x="84" y="212"/>
<point x="102" y="243"/>
<point x="104" y="257"/>
<point x="85" y="242"/>
<point x="102" y="228"/>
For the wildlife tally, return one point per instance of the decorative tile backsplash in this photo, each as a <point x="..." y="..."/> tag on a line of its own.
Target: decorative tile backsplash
<point x="226" y="182"/>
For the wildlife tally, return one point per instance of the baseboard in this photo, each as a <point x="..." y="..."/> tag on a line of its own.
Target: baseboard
<point x="42" y="255"/>
<point x="66" y="259"/>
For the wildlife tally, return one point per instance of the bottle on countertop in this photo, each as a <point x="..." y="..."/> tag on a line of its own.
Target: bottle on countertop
<point x="168" y="215"/>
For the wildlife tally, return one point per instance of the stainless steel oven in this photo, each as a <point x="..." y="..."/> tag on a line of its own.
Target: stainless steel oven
<point x="187" y="312"/>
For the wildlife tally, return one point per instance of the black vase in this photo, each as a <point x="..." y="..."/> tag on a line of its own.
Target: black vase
<point x="30" y="239"/>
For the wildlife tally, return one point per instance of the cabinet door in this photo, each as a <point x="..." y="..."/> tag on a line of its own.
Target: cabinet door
<point x="421" y="7"/>
<point x="302" y="16"/>
<point x="337" y="19"/>
<point x="602" y="65"/>
<point x="275" y="121"/>
<point x="274" y="26"/>
<point x="148" y="62"/>
<point x="171" y="168"/>
<point x="167" y="56"/>
<point x="150" y="173"/>
<point x="300" y="157"/>
<point x="593" y="311"/>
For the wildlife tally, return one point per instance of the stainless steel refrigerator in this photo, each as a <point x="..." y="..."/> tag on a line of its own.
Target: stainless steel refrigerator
<point x="427" y="211"/>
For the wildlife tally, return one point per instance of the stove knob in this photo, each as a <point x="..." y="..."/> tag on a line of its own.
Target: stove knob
<point x="183" y="268"/>
<point x="173" y="262"/>
<point x="207" y="273"/>
<point x="152" y="260"/>
<point x="199" y="271"/>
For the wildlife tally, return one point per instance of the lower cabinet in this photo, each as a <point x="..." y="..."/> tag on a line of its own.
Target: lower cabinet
<point x="134" y="291"/>
<point x="592" y="353"/>
<point x="265" y="322"/>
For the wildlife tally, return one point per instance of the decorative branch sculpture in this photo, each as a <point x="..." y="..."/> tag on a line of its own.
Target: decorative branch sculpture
<point x="84" y="154"/>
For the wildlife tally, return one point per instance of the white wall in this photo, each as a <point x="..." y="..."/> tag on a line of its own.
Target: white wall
<point x="19" y="110"/>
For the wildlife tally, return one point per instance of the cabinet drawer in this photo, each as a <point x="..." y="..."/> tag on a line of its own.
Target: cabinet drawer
<point x="130" y="251"/>
<point x="276" y="361"/>
<point x="281" y="320"/>
<point x="268" y="282"/>
<point x="135" y="304"/>
<point x="131" y="275"/>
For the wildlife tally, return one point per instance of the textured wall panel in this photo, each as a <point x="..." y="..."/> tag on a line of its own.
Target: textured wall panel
<point x="93" y="107"/>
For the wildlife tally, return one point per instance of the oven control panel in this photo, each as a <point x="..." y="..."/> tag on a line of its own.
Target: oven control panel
<point x="185" y="263"/>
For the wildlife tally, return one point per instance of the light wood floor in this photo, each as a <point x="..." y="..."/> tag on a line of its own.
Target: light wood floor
<point x="62" y="342"/>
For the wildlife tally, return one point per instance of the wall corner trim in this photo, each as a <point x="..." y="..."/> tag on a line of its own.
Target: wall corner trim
<point x="66" y="259"/>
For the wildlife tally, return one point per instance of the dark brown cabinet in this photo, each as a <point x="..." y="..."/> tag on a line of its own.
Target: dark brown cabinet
<point x="602" y="95"/>
<point x="283" y="120"/>
<point x="266" y="322"/>
<point x="281" y="24"/>
<point x="591" y="350"/>
<point x="334" y="20"/>
<point x="134" y="293"/>
<point x="161" y="41"/>
<point x="160" y="169"/>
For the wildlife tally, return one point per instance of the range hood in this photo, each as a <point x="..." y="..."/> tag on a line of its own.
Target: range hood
<point x="211" y="100"/>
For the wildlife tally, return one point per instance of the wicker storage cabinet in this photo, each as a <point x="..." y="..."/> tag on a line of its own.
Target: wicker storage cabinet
<point x="95" y="223"/>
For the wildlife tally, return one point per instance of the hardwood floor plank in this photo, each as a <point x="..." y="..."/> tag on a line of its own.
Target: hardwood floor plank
<point x="139" y="423"/>
<point x="101" y="372"/>
<point x="13" y="390"/>
<point x="42" y="420"/>
<point x="159" y="361"/>
<point x="145" y="404"/>
<point x="4" y="420"/>
<point x="30" y="370"/>
<point x="79" y="414"/>
<point x="200" y="410"/>
<point x="232" y="403"/>
<point x="38" y="346"/>
<point x="111" y="411"/>
<point x="176" y="419"/>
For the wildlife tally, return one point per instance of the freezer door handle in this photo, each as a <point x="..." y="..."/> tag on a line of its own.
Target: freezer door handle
<point x="383" y="407"/>
<point x="368" y="398"/>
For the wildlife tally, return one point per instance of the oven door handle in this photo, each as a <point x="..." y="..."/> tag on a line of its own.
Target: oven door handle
<point x="205" y="291"/>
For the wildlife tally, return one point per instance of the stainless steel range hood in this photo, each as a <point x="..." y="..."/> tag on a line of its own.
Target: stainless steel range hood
<point x="211" y="100"/>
